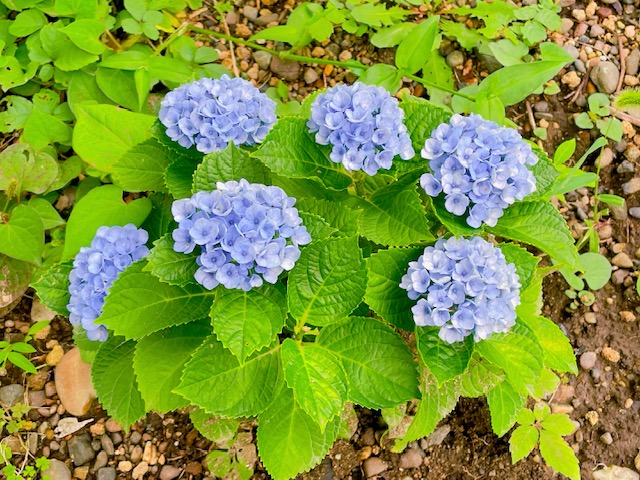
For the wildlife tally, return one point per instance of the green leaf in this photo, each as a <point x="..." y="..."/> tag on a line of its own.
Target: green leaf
<point x="328" y="281"/>
<point x="522" y="441"/>
<point x="290" y="150"/>
<point x="414" y="51"/>
<point x="129" y="60"/>
<point x="517" y="355"/>
<point x="317" y="379"/>
<point x="559" y="455"/>
<point x="508" y="52"/>
<point x="16" y="113"/>
<point x="23" y="169"/>
<point x="597" y="269"/>
<point x="556" y="349"/>
<point x="421" y="118"/>
<point x="15" y="276"/>
<point x="541" y="225"/>
<point x="101" y="206"/>
<point x="524" y="262"/>
<point x="437" y="402"/>
<point x="546" y="175"/>
<point x="76" y="8"/>
<point x="317" y="227"/>
<point x="232" y="163"/>
<point x="160" y="220"/>
<point x="220" y="431"/>
<point x="245" y="322"/>
<point x="613" y="200"/>
<point x="335" y="213"/>
<point x="83" y="88"/>
<point x="377" y="14"/>
<point x="168" y="69"/>
<point x="380" y="369"/>
<point x="42" y="129"/>
<point x="104" y="133"/>
<point x="115" y="382"/>
<point x="27" y="22"/>
<point x="88" y="348"/>
<point x="49" y="215"/>
<point x="285" y="431"/>
<point x="215" y="380"/>
<point x="480" y="377"/>
<point x="457" y="225"/>
<point x="505" y="405"/>
<point x="558" y="423"/>
<point x="159" y="360"/>
<point x="119" y="86"/>
<point x="138" y="304"/>
<point x="385" y="270"/>
<point x="467" y="38"/>
<point x="142" y="167"/>
<point x="85" y="34"/>
<point x="64" y="53"/>
<point x="439" y="73"/>
<point x="53" y="287"/>
<point x="391" y="36"/>
<point x="610" y="128"/>
<point x="22" y="237"/>
<point x="394" y="215"/>
<point x="174" y="268"/>
<point x="21" y="362"/>
<point x="445" y="360"/>
<point x="383" y="75"/>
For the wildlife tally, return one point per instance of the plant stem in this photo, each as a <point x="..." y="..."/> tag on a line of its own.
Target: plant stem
<point x="287" y="55"/>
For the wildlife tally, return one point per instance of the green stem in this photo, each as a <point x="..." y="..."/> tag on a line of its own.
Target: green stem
<point x="287" y="55"/>
<point x="170" y="39"/>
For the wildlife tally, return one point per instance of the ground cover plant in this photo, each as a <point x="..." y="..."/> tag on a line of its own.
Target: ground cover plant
<point x="364" y="251"/>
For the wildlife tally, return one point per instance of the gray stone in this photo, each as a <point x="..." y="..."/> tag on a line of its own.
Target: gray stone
<point x="632" y="186"/>
<point x="588" y="360"/>
<point x="263" y="59"/>
<point x="374" y="466"/>
<point x="619" y="213"/>
<point x="107" y="445"/>
<point x="57" y="470"/>
<point x="605" y="76"/>
<point x="436" y="438"/>
<point x="596" y="31"/>
<point x="250" y="12"/>
<point x="489" y="62"/>
<point x="135" y="437"/>
<point x="566" y="26"/>
<point x="606" y="438"/>
<point x="455" y="59"/>
<point x="622" y="260"/>
<point x="284" y="69"/>
<point x="626" y="167"/>
<point x="310" y="76"/>
<point x="263" y="20"/>
<point x="80" y="450"/>
<point x="618" y="276"/>
<point x="634" y="212"/>
<point x="541" y="106"/>
<point x="633" y="62"/>
<point x="101" y="461"/>
<point x="412" y="458"/>
<point x="107" y="473"/>
<point x="169" y="472"/>
<point x="11" y="394"/>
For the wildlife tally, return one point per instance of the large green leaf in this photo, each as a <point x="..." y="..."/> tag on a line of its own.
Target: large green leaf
<point x="289" y="440"/>
<point x="541" y="225"/>
<point x="380" y="369"/>
<point x="445" y="360"/>
<point x="160" y="220"/>
<point x="559" y="455"/>
<point x="522" y="441"/>
<point x="215" y="380"/>
<point x="245" y="322"/>
<point x="14" y="281"/>
<point x="385" y="269"/>
<point x="524" y="262"/>
<point x="159" y="360"/>
<point x="22" y="237"/>
<point x="480" y="377"/>
<point x="317" y="379"/>
<point x="174" y="268"/>
<point x="556" y="349"/>
<point x="53" y="287"/>
<point x="421" y="118"/>
<point x="142" y="167"/>
<point x="103" y="133"/>
<point x="115" y="382"/>
<point x="232" y="163"/>
<point x="291" y="151"/>
<point x="23" y="169"/>
<point x="138" y="304"/>
<point x="394" y="215"/>
<point x="437" y="401"/>
<point x="414" y="51"/>
<point x="102" y="206"/>
<point x="179" y="176"/>
<point x="457" y="225"/>
<point x="220" y="431"/>
<point x="119" y="86"/>
<point x="337" y="214"/>
<point x="504" y="405"/>
<point x="328" y="281"/>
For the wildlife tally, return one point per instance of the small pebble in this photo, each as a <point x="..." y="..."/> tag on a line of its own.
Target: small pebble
<point x="634" y="212"/>
<point x="592" y="416"/>
<point x="606" y="438"/>
<point x="632" y="186"/>
<point x="627" y="316"/>
<point x="628" y="403"/>
<point x="622" y="260"/>
<point x="169" y="472"/>
<point x="611" y="355"/>
<point x="590" y="317"/>
<point x="374" y="466"/>
<point x="455" y="58"/>
<point x="588" y="360"/>
<point x="107" y="473"/>
<point x="125" y="466"/>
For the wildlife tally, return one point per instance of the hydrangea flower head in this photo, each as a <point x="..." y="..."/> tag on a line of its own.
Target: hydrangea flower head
<point x="211" y="113"/>
<point x="480" y="166"/>
<point x="463" y="286"/>
<point x="364" y="125"/>
<point x="246" y="233"/>
<point x="96" y="267"/>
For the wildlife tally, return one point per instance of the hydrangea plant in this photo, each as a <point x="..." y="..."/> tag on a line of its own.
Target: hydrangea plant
<point x="247" y="306"/>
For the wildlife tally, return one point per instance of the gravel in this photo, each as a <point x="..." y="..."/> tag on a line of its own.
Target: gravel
<point x="588" y="360"/>
<point x="605" y="76"/>
<point x="11" y="394"/>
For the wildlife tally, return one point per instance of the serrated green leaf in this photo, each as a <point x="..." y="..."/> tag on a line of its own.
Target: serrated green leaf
<point x="522" y="441"/>
<point x="336" y="214"/>
<point x="285" y="431"/>
<point x="457" y="225"/>
<point x="115" y="382"/>
<point x="559" y="455"/>
<point x="437" y="402"/>
<point x="232" y="163"/>
<point x="394" y="215"/>
<point x="160" y="220"/>
<point x="102" y="206"/>
<point x="317" y="379"/>
<point x="517" y="355"/>
<point x="246" y="322"/>
<point x="290" y="150"/>
<point x="505" y="405"/>
<point x="138" y="304"/>
<point x="541" y="225"/>
<point x="88" y="348"/>
<point x="445" y="360"/>
<point x="142" y="167"/>
<point x="215" y="380"/>
<point x="556" y="349"/>
<point x="558" y="423"/>
<point x="103" y="133"/>
<point x="179" y="175"/>
<point x="385" y="270"/>
<point x="421" y="118"/>
<point x="380" y="369"/>
<point x="328" y="281"/>
<point x="22" y="237"/>
<point x="53" y="287"/>
<point x="174" y="268"/>
<point x="318" y="227"/>
<point x="524" y="262"/>
<point x="159" y="360"/>
<point x="480" y="377"/>
<point x="546" y="175"/>
<point x="220" y="431"/>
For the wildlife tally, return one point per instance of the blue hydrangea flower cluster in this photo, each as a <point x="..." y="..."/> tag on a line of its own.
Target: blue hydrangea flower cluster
<point x="364" y="125"/>
<point x="96" y="267"/>
<point x="246" y="233"/>
<point x="463" y="286"/>
<point x="480" y="166"/>
<point x="211" y="113"/>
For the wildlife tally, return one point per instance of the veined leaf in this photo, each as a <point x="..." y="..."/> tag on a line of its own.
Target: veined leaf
<point x="504" y="405"/>
<point x="142" y="167"/>
<point x="556" y="349"/>
<point x="559" y="455"/>
<point x="53" y="287"/>
<point x="22" y="237"/>
<point x="522" y="442"/>
<point x="174" y="268"/>
<point x="445" y="360"/>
